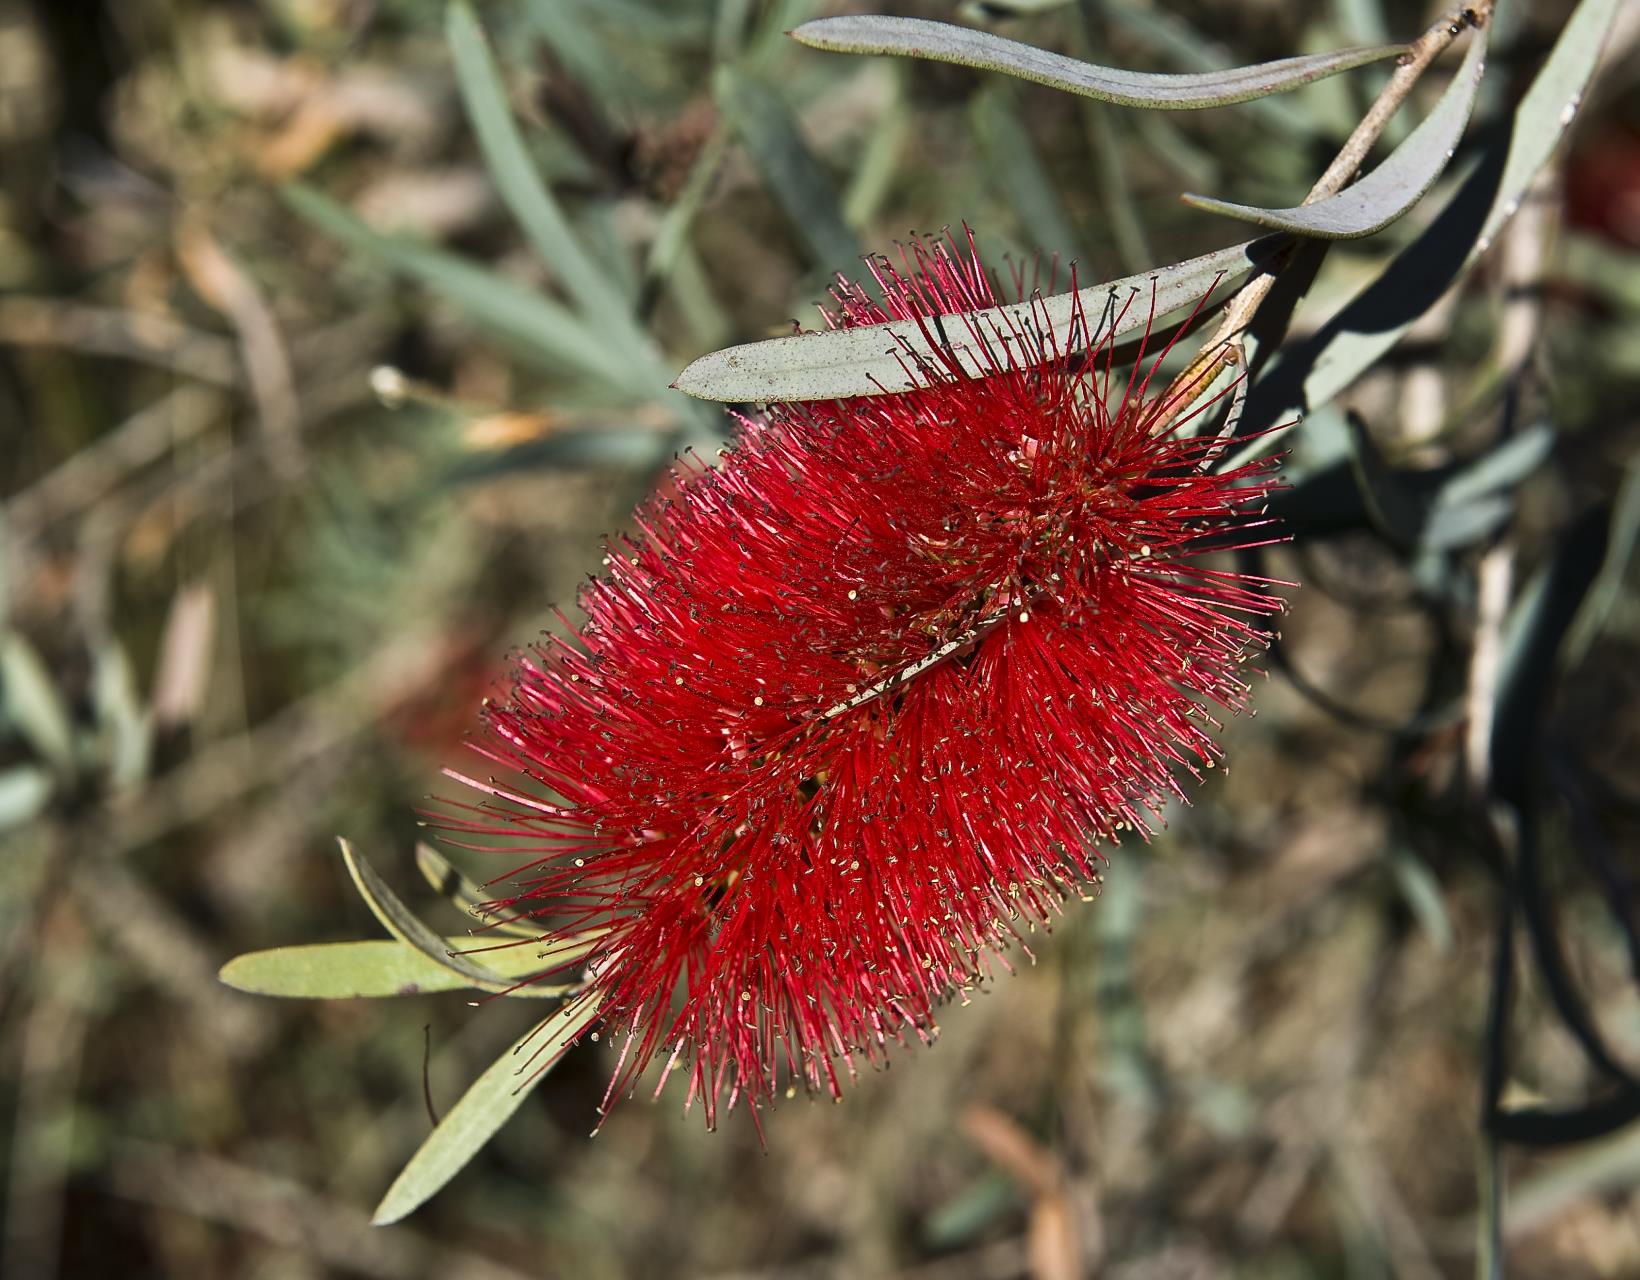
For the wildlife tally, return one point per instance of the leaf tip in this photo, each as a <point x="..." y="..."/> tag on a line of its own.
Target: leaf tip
<point x="226" y="974"/>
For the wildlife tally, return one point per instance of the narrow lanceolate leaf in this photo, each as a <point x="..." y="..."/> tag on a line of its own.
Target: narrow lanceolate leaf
<point x="1311" y="373"/>
<point x="942" y="42"/>
<point x="536" y="324"/>
<point x="790" y="170"/>
<point x="526" y="194"/>
<point x="448" y="882"/>
<point x="348" y="970"/>
<point x="1394" y="186"/>
<point x="402" y="923"/>
<point x="878" y="359"/>
<point x="484" y="1108"/>
<point x="30" y="703"/>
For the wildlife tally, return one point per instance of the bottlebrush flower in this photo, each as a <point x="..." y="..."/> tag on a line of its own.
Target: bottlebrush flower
<point x="857" y="704"/>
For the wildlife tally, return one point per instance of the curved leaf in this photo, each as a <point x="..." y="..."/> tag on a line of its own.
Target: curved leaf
<point x="792" y="174"/>
<point x="1310" y="373"/>
<point x="402" y="923"/>
<point x="29" y="701"/>
<point x="943" y="42"/>
<point x="448" y="882"/>
<point x="349" y="970"/>
<point x="1394" y="186"/>
<point x="25" y="790"/>
<point x="878" y="359"/>
<point x="520" y="184"/>
<point x="534" y="323"/>
<point x="488" y="1103"/>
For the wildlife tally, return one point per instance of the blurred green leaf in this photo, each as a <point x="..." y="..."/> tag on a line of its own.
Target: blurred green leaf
<point x="31" y="703"/>
<point x="944" y="42"/>
<point x="1501" y="468"/>
<point x="879" y="359"/>
<point x="1610" y="270"/>
<point x="882" y="161"/>
<point x="1012" y="158"/>
<point x="519" y="181"/>
<point x="1394" y="186"/>
<point x="484" y="1108"/>
<point x="538" y="325"/>
<point x="25" y="791"/>
<point x="1165" y="33"/>
<point x="348" y="970"/>
<point x="121" y="713"/>
<point x="403" y="924"/>
<point x="793" y="176"/>
<point x="972" y="1211"/>
<point x="1614" y="570"/>
<point x="672" y="234"/>
<point x="1422" y="892"/>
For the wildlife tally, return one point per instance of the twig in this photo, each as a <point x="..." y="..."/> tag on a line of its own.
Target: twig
<point x="1494" y="584"/>
<point x="1225" y="347"/>
<point x="128" y="335"/>
<point x="289" y="1216"/>
<point x="225" y="285"/>
<point x="92" y="473"/>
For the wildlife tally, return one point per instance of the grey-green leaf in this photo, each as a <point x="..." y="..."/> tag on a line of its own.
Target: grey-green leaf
<point x="30" y="702"/>
<point x="349" y="970"/>
<point x="25" y="790"/>
<point x="943" y="42"/>
<point x="448" y="882"/>
<point x="883" y="358"/>
<point x="403" y="924"/>
<point x="488" y="1104"/>
<point x="534" y="323"/>
<point x="522" y="188"/>
<point x="792" y="174"/>
<point x="1360" y="333"/>
<point x="1394" y="186"/>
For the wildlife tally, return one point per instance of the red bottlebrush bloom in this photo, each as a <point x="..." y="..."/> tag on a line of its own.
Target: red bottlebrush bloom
<point x="858" y="703"/>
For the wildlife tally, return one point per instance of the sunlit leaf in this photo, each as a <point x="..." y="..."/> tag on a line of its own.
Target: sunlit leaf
<point x="879" y="359"/>
<point x="30" y="702"/>
<point x="483" y="1109"/>
<point x="1309" y="374"/>
<point x="403" y="924"/>
<point x="448" y="882"/>
<point x="346" y="970"/>
<point x="943" y="42"/>
<point x="24" y="792"/>
<point x="1394" y="186"/>
<point x="1422" y="892"/>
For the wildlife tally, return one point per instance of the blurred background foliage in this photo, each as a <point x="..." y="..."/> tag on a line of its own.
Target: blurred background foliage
<point x="304" y="432"/>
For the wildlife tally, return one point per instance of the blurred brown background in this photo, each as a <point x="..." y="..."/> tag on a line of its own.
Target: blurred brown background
<point x="280" y="494"/>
